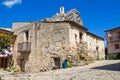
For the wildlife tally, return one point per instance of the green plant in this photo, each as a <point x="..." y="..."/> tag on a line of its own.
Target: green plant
<point x="86" y="63"/>
<point x="5" y="41"/>
<point x="112" y="56"/>
<point x="15" y="70"/>
<point x="69" y="65"/>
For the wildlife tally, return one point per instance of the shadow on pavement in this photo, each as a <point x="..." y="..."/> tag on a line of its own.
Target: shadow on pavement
<point x="112" y="67"/>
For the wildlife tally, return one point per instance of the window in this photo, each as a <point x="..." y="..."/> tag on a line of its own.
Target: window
<point x="75" y="36"/>
<point x="110" y="38"/>
<point x="80" y="35"/>
<point x="118" y="35"/>
<point x="117" y="46"/>
<point x="27" y="35"/>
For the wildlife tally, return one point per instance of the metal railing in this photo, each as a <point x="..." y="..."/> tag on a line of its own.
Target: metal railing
<point x="117" y="38"/>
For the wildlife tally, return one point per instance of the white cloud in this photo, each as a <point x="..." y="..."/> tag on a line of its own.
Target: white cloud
<point x="10" y="3"/>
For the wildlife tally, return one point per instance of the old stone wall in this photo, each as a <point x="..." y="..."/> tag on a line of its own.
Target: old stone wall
<point x="76" y="39"/>
<point x="95" y="47"/>
<point x="101" y="49"/>
<point x="17" y="25"/>
<point x="47" y="40"/>
<point x="50" y="39"/>
<point x="53" y="40"/>
<point x="74" y="35"/>
<point x="22" y="58"/>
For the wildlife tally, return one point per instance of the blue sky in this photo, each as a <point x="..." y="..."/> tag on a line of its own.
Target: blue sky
<point x="97" y="15"/>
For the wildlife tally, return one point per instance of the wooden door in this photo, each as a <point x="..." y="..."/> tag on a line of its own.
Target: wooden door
<point x="57" y="63"/>
<point x="3" y="62"/>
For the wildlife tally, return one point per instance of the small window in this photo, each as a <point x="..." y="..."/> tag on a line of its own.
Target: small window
<point x="110" y="38"/>
<point x="118" y="33"/>
<point x="80" y="35"/>
<point x="117" y="46"/>
<point x="27" y="35"/>
<point x="97" y="48"/>
<point x="75" y="36"/>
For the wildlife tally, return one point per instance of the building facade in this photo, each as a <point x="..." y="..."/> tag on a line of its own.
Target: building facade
<point x="113" y="40"/>
<point x="46" y="44"/>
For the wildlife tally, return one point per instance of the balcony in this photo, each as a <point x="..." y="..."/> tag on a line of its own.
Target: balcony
<point x="117" y="38"/>
<point x="24" y="47"/>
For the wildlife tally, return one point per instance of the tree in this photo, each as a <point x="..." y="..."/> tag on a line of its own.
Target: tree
<point x="5" y="41"/>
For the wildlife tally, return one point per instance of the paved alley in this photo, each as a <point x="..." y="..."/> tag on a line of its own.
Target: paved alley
<point x="100" y="70"/>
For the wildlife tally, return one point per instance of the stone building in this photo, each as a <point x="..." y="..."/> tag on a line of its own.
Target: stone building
<point x="45" y="44"/>
<point x="113" y="40"/>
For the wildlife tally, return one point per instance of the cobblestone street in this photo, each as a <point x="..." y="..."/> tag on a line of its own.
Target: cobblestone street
<point x="100" y="70"/>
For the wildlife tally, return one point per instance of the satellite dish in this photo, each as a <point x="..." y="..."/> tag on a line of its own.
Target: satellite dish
<point x="109" y="35"/>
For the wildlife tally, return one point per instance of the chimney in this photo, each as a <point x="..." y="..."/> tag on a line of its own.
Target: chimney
<point x="61" y="10"/>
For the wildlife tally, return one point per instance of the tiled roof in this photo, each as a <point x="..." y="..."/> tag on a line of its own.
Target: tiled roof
<point x="95" y="35"/>
<point x="112" y="29"/>
<point x="6" y="31"/>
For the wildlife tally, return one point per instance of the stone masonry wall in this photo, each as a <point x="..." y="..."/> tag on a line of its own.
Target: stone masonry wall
<point x="74" y="38"/>
<point x="47" y="40"/>
<point x="51" y="40"/>
<point x="17" y="25"/>
<point x="95" y="47"/>
<point x="22" y="57"/>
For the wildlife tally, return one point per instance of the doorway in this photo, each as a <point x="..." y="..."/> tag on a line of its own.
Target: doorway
<point x="57" y="63"/>
<point x="97" y="52"/>
<point x="3" y="62"/>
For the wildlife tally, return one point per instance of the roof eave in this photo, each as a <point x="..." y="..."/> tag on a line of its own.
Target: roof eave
<point x="112" y="29"/>
<point x="95" y="35"/>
